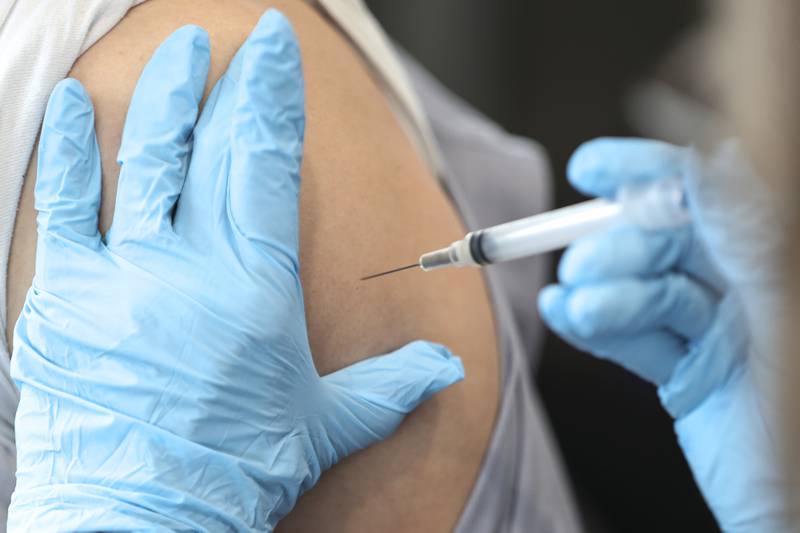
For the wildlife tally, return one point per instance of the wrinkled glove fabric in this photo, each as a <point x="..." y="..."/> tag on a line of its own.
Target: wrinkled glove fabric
<point x="165" y="373"/>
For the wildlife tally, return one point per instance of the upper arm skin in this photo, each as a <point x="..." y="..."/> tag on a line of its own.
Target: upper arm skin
<point x="367" y="203"/>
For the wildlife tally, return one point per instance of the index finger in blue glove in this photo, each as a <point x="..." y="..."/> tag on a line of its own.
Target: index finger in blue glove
<point x="373" y="396"/>
<point x="156" y="141"/>
<point x="598" y="167"/>
<point x="632" y="305"/>
<point x="624" y="251"/>
<point x="652" y="355"/>
<point x="267" y="138"/>
<point x="67" y="192"/>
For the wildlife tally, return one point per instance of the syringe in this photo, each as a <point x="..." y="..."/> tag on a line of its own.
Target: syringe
<point x="652" y="205"/>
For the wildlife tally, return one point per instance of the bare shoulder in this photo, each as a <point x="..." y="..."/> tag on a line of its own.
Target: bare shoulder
<point x="367" y="202"/>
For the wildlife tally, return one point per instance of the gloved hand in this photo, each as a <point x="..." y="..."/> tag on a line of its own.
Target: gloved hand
<point x="688" y="309"/>
<point x="165" y="373"/>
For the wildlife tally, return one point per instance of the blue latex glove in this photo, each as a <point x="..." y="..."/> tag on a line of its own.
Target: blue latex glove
<point x="690" y="310"/>
<point x="165" y="374"/>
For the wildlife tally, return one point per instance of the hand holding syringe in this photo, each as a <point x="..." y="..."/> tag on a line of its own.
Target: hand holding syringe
<point x="652" y="205"/>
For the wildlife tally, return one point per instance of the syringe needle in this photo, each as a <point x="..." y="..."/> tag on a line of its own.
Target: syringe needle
<point x="379" y="274"/>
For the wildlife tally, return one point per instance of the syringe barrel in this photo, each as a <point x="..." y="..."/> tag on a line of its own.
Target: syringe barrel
<point x="547" y="232"/>
<point x="656" y="204"/>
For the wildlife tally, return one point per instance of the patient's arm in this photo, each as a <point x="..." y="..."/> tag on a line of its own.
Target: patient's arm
<point x="367" y="203"/>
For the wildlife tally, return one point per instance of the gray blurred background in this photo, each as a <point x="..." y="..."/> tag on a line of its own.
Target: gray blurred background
<point x="562" y="72"/>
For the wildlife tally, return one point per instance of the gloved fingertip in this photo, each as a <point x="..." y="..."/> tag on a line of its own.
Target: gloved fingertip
<point x="583" y="313"/>
<point x="437" y="348"/>
<point x="67" y="134"/>
<point x="581" y="161"/>
<point x="67" y="188"/>
<point x="553" y="310"/>
<point x="586" y="164"/>
<point x="273" y="28"/>
<point x="428" y="368"/>
<point x="400" y="381"/>
<point x="71" y="87"/>
<point x="577" y="263"/>
<point x="451" y="373"/>
<point x="549" y="297"/>
<point x="68" y="104"/>
<point x="189" y="48"/>
<point x="444" y="361"/>
<point x="273" y="65"/>
<point x="274" y="20"/>
<point x="190" y="34"/>
<point x="200" y="37"/>
<point x="458" y="366"/>
<point x="195" y="38"/>
<point x="446" y="375"/>
<point x="282" y="47"/>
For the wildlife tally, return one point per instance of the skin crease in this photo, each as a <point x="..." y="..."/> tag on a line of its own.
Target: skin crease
<point x="361" y="179"/>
